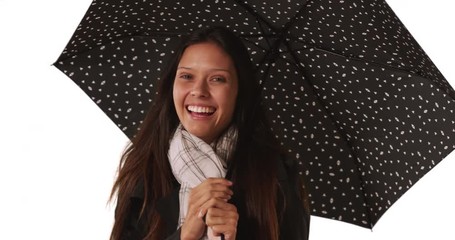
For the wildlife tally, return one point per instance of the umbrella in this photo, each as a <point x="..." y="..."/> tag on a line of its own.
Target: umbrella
<point x="351" y="94"/>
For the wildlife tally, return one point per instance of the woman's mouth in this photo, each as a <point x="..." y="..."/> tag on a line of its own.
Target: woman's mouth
<point x="200" y="110"/>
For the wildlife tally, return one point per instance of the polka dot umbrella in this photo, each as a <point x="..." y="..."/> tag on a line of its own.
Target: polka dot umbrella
<point x="351" y="94"/>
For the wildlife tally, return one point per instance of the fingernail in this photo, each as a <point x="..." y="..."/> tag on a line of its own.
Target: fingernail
<point x="200" y="215"/>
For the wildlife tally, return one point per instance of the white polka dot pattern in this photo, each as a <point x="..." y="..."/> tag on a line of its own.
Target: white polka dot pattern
<point x="349" y="92"/>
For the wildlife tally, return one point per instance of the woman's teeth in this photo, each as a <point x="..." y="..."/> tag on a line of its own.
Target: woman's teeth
<point x="199" y="109"/>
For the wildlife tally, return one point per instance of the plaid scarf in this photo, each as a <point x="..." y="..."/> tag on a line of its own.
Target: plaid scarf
<point x="193" y="161"/>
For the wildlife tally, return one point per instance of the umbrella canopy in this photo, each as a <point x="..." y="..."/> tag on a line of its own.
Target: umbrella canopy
<point x="349" y="91"/>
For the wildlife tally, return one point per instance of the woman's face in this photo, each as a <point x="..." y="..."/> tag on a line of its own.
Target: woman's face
<point x="205" y="90"/>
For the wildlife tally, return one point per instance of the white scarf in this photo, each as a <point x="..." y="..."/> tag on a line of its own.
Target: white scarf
<point x="193" y="161"/>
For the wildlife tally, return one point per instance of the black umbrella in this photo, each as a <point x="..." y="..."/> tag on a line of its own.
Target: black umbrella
<point x="350" y="93"/>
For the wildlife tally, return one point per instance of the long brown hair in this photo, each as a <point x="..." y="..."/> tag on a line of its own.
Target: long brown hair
<point x="145" y="162"/>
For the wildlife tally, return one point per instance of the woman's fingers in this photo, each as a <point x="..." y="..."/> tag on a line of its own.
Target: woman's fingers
<point x="210" y="193"/>
<point x="222" y="218"/>
<point x="217" y="216"/>
<point x="215" y="203"/>
<point x="202" y="196"/>
<point x="212" y="188"/>
<point x="218" y="188"/>
<point x="219" y="204"/>
<point x="213" y="185"/>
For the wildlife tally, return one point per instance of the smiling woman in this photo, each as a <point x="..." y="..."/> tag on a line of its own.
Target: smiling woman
<point x="58" y="148"/>
<point x="205" y="90"/>
<point x="205" y="164"/>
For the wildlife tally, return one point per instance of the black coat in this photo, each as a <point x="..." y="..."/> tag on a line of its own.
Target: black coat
<point x="294" y="224"/>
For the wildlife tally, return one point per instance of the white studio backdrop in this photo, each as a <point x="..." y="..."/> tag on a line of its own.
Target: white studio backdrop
<point x="59" y="152"/>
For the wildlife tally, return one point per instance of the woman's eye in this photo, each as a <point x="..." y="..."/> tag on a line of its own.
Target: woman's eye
<point x="218" y="79"/>
<point x="185" y="76"/>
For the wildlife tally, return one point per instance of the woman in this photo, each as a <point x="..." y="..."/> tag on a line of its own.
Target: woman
<point x="205" y="163"/>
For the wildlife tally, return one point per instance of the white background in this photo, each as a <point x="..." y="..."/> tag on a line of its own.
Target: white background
<point x="59" y="152"/>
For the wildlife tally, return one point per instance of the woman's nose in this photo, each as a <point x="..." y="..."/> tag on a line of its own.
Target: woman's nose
<point x="200" y="89"/>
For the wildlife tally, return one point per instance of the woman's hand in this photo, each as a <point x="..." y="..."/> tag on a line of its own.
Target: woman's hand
<point x="221" y="218"/>
<point x="201" y="198"/>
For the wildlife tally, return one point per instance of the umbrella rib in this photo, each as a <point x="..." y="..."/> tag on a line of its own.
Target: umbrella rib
<point x="353" y="57"/>
<point x="255" y="14"/>
<point x="281" y="36"/>
<point x="279" y="32"/>
<point x="300" y="68"/>
<point x="358" y="59"/>
<point x="397" y="69"/>
<point x="261" y="21"/>
<point x="386" y="66"/>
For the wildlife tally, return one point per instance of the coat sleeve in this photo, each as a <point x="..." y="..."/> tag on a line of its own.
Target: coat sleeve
<point x="294" y="220"/>
<point x="174" y="236"/>
<point x="134" y="226"/>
